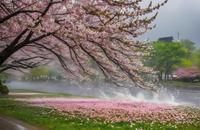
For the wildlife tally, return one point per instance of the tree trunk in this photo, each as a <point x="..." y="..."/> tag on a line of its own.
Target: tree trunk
<point x="160" y="76"/>
<point x="165" y="76"/>
<point x="5" y="54"/>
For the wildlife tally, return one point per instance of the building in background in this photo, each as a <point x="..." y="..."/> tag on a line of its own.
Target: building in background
<point x="166" y="39"/>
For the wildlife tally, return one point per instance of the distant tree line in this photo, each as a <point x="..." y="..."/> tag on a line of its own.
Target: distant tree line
<point x="42" y="73"/>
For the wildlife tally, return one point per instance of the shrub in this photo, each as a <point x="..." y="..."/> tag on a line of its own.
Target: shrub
<point x="3" y="89"/>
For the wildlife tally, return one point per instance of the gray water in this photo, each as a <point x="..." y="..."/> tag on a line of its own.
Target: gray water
<point x="166" y="94"/>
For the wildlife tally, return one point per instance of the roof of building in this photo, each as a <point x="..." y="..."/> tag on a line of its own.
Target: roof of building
<point x="166" y="39"/>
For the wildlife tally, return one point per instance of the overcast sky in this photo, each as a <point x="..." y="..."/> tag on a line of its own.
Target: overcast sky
<point x="181" y="16"/>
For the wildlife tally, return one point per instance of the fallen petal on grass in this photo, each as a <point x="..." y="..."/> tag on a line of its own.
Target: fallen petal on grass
<point x="118" y="111"/>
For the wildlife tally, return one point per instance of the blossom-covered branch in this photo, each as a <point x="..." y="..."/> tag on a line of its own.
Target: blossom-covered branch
<point x="75" y="32"/>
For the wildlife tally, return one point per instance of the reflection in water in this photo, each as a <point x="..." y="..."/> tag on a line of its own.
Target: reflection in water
<point x="170" y="96"/>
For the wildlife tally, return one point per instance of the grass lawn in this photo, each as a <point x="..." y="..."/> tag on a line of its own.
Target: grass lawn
<point x="49" y="119"/>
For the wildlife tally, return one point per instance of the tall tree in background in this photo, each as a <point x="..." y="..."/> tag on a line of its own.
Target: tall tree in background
<point x="196" y="58"/>
<point x="188" y="44"/>
<point x="34" y="32"/>
<point x="165" y="56"/>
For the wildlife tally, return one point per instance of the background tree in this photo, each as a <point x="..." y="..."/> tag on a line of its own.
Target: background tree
<point x="35" y="32"/>
<point x="4" y="77"/>
<point x="166" y="56"/>
<point x="42" y="73"/>
<point x="196" y="58"/>
<point x="188" y="44"/>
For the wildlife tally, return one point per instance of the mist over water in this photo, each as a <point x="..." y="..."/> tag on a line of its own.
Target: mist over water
<point x="165" y="95"/>
<point x="162" y="96"/>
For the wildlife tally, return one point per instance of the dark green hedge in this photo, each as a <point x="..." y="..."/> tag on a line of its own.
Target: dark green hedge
<point x="3" y="89"/>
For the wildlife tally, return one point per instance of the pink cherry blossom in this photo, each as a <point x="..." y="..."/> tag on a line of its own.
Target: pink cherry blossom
<point x="76" y="32"/>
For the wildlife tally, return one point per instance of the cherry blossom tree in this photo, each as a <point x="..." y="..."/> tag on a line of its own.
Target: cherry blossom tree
<point x="35" y="32"/>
